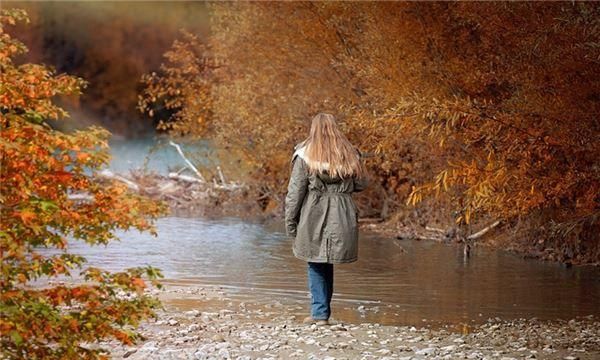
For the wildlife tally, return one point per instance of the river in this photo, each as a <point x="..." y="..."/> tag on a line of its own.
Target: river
<point x="428" y="282"/>
<point x="394" y="281"/>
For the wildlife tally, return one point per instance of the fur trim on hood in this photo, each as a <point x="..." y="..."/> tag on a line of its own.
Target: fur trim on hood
<point x="300" y="151"/>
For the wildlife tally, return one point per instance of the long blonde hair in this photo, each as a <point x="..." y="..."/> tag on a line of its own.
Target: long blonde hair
<point x="328" y="149"/>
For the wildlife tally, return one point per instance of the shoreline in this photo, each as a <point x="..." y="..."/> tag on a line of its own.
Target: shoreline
<point x="187" y="196"/>
<point x="522" y="249"/>
<point x="219" y="327"/>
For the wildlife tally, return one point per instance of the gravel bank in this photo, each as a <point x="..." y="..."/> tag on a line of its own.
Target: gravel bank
<point x="213" y="326"/>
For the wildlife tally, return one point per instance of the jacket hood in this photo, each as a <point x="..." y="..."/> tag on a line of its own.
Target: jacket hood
<point x="302" y="153"/>
<point x="324" y="176"/>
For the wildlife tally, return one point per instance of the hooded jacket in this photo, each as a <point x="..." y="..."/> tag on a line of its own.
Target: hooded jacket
<point x="321" y="215"/>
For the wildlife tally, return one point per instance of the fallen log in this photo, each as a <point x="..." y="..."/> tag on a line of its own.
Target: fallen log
<point x="230" y="186"/>
<point x="185" y="178"/>
<point x="482" y="232"/>
<point x="424" y="237"/>
<point x="427" y="227"/>
<point x="107" y="174"/>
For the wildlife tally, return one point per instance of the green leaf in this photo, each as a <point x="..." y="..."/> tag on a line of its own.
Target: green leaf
<point x="16" y="337"/>
<point x="47" y="205"/>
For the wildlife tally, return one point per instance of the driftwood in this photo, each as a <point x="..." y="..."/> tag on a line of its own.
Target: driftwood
<point x="425" y="237"/>
<point x="164" y="188"/>
<point x="185" y="178"/>
<point x="189" y="163"/>
<point x="482" y="232"/>
<point x="230" y="186"/>
<point x="221" y="175"/>
<point x="107" y="174"/>
<point x="167" y="187"/>
<point x="435" y="229"/>
<point x="448" y="233"/>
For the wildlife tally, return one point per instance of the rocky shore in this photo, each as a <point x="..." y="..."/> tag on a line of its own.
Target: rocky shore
<point x="205" y="323"/>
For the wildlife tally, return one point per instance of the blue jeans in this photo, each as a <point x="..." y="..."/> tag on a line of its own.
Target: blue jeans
<point x="320" y="283"/>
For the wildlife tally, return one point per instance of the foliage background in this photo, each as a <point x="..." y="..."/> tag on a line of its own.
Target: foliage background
<point x="110" y="44"/>
<point x="490" y="107"/>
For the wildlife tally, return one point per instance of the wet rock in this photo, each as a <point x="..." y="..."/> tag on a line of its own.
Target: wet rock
<point x="429" y="351"/>
<point x="448" y="348"/>
<point x="192" y="313"/>
<point x="201" y="355"/>
<point x="128" y="353"/>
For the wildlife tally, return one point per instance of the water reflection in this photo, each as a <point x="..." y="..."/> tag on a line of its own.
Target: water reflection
<point x="429" y="281"/>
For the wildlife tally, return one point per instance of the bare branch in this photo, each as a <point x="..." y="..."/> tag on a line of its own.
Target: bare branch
<point x="482" y="232"/>
<point x="189" y="163"/>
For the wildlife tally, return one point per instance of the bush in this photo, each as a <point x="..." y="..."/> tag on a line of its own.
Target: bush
<point x="42" y="171"/>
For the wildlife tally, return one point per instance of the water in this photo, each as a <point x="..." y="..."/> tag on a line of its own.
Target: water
<point x="155" y="154"/>
<point x="429" y="280"/>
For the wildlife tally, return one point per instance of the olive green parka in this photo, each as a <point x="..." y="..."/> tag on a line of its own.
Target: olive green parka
<point x="321" y="215"/>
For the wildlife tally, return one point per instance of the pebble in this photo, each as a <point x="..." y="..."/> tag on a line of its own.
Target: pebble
<point x="247" y="332"/>
<point x="192" y="313"/>
<point x="426" y="351"/>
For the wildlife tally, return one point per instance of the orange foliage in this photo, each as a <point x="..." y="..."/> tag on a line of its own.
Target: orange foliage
<point x="493" y="105"/>
<point x="506" y="92"/>
<point x="39" y="169"/>
<point x="179" y="97"/>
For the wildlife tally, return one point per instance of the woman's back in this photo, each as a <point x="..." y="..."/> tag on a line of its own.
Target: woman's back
<point x="319" y="210"/>
<point x="326" y="229"/>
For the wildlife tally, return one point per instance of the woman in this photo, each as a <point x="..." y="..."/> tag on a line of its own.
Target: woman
<point x="319" y="210"/>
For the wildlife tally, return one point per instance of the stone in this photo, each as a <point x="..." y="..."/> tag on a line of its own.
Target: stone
<point x="426" y="351"/>
<point x="218" y="337"/>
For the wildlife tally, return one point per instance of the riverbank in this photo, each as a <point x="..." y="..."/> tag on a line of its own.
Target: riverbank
<point x="205" y="323"/>
<point x="525" y="246"/>
<point x="190" y="196"/>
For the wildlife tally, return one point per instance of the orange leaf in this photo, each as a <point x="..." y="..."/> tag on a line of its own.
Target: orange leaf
<point x="63" y="176"/>
<point x="138" y="282"/>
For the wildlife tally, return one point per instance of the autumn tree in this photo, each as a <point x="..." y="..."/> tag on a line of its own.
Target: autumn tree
<point x="286" y="62"/>
<point x="501" y="97"/>
<point x="492" y="107"/>
<point x="178" y="97"/>
<point x="49" y="197"/>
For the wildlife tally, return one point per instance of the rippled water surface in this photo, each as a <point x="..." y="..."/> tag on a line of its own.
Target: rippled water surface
<point x="428" y="281"/>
